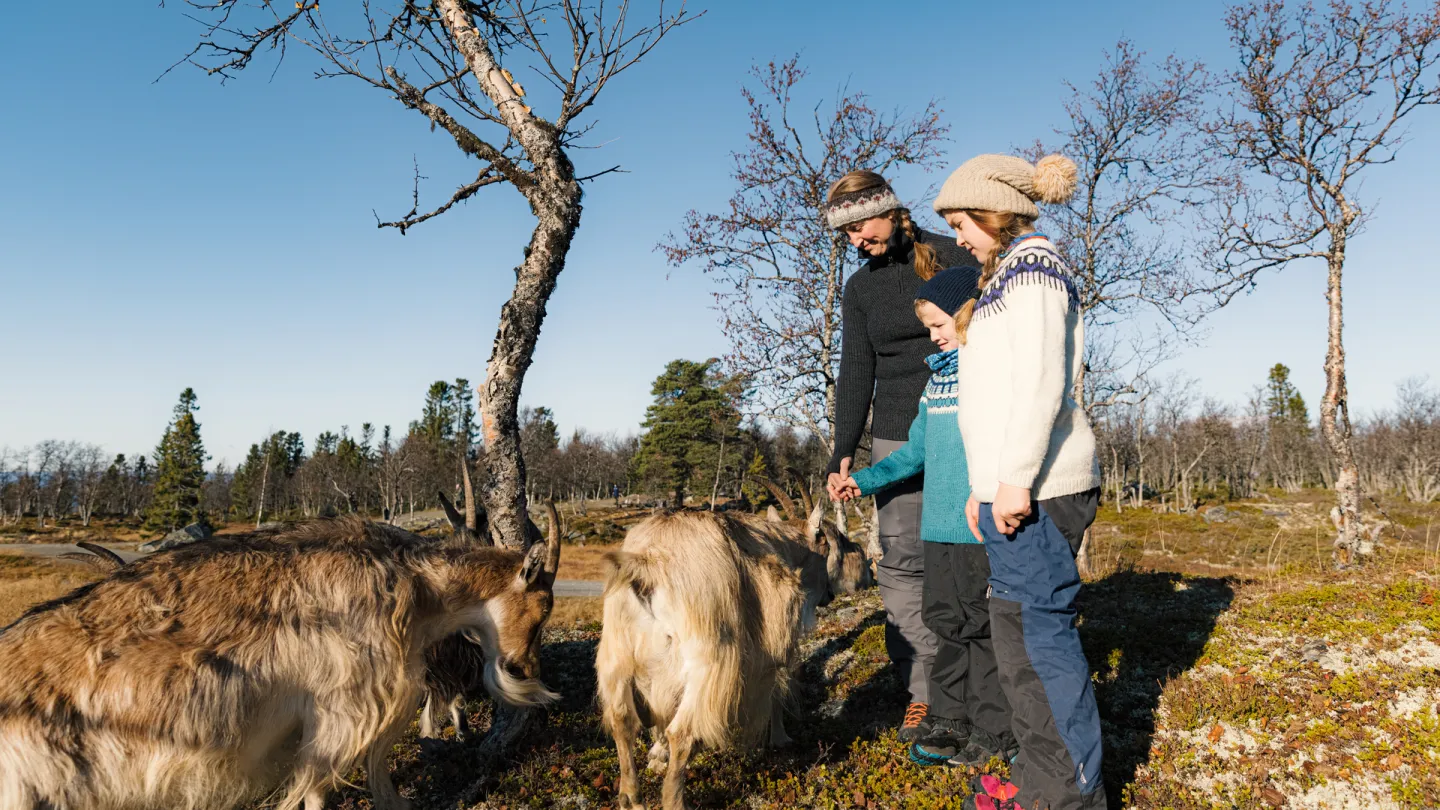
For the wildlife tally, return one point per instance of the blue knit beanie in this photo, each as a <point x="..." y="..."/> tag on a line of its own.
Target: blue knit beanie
<point x="950" y="288"/>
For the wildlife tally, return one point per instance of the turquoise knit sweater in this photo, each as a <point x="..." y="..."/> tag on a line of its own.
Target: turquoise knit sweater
<point x="934" y="447"/>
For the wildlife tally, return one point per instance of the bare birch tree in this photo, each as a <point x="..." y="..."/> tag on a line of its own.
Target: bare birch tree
<point x="779" y="267"/>
<point x="455" y="62"/>
<point x="1134" y="135"/>
<point x="1319" y="96"/>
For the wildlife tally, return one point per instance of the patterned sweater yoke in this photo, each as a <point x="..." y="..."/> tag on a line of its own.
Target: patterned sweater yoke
<point x="1032" y="260"/>
<point x="1023" y="352"/>
<point x="933" y="447"/>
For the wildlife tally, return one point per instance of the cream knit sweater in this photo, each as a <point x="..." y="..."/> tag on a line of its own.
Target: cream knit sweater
<point x="1023" y="350"/>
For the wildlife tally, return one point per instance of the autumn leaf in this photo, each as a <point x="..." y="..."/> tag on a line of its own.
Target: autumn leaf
<point x="1272" y="797"/>
<point x="1216" y="733"/>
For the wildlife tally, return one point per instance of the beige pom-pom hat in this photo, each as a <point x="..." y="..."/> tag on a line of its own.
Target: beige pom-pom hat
<point x="1007" y="183"/>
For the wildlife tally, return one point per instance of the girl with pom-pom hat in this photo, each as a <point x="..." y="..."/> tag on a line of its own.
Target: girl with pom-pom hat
<point x="1034" y="475"/>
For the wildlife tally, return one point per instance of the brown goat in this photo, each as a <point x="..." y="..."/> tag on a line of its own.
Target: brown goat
<point x="703" y="616"/>
<point x="259" y="667"/>
<point x="455" y="667"/>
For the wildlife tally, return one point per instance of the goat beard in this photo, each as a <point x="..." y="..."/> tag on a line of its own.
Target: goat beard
<point x="520" y="692"/>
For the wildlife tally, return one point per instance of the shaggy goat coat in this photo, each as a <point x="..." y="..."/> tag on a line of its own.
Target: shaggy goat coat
<point x="260" y="667"/>
<point x="703" y="615"/>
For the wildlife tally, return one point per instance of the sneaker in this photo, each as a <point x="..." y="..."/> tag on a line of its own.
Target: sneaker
<point x="916" y="723"/>
<point x="945" y="740"/>
<point x="992" y="793"/>
<point x="981" y="747"/>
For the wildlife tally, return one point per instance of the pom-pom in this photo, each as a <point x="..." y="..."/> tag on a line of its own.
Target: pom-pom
<point x="1055" y="179"/>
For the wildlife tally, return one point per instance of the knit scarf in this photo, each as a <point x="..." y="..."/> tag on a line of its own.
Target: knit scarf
<point x="944" y="362"/>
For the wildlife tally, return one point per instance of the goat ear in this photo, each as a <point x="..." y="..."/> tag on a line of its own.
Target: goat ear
<point x="772" y="515"/>
<point x="812" y="525"/>
<point x="533" y="565"/>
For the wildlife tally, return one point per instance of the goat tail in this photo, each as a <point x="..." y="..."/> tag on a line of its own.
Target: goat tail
<point x="624" y="569"/>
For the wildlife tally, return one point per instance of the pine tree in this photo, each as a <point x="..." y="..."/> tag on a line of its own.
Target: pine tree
<point x="539" y="447"/>
<point x="179" y="470"/>
<point x="1291" y="437"/>
<point x="437" y="421"/>
<point x="693" y="414"/>
<point x="753" y="490"/>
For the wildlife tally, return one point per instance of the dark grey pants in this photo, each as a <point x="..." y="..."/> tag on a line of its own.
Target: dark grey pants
<point x="901" y="575"/>
<point x="964" y="680"/>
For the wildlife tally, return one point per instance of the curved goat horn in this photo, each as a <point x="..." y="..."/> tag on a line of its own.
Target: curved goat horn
<point x="786" y="505"/>
<point x="552" y="540"/>
<point x="101" y="551"/>
<point x="98" y="557"/>
<point x="457" y="521"/>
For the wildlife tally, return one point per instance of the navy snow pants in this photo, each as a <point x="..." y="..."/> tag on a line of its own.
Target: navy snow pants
<point x="1043" y="670"/>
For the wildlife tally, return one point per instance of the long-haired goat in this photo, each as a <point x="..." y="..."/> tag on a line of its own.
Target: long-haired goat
<point x="455" y="667"/>
<point x="262" y="667"/>
<point x="703" y="616"/>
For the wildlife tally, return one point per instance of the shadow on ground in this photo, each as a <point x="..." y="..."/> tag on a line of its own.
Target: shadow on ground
<point x="1139" y="630"/>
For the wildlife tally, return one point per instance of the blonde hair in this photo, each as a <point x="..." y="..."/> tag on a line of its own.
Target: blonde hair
<point x="927" y="263"/>
<point x="1004" y="227"/>
<point x="920" y="302"/>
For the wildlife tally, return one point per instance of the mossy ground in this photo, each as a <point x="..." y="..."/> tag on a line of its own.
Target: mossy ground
<point x="1197" y="637"/>
<point x="1232" y="666"/>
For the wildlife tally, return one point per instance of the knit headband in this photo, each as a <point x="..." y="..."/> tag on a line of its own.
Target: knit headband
<point x="856" y="206"/>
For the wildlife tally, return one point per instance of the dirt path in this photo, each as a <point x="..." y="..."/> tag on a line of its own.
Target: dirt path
<point x="563" y="587"/>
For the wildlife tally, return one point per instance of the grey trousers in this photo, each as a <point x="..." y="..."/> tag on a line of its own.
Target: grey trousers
<point x="901" y="570"/>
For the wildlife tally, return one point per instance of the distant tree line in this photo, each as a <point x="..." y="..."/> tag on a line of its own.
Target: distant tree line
<point x="1172" y="445"/>
<point x="386" y="473"/>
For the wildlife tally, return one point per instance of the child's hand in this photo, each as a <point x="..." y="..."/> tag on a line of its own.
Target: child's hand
<point x="972" y="516"/>
<point x="1011" y="507"/>
<point x="848" y="489"/>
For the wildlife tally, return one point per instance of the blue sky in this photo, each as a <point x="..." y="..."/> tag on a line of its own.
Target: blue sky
<point x="158" y="235"/>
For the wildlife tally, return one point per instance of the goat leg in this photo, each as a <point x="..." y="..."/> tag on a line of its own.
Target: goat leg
<point x="681" y="747"/>
<point x="659" y="754"/>
<point x="458" y="717"/>
<point x="377" y="776"/>
<point x="427" y="718"/>
<point x="778" y="737"/>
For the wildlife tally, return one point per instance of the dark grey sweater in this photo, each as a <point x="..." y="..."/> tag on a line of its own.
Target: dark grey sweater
<point x="883" y="345"/>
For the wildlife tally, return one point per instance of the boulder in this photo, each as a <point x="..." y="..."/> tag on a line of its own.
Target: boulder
<point x="180" y="537"/>
<point x="1215" y="514"/>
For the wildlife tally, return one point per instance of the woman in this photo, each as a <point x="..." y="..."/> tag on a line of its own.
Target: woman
<point x="882" y="368"/>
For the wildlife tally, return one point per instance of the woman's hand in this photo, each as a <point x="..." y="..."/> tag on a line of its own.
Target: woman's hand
<point x="1011" y="507"/>
<point x="836" y="481"/>
<point x="972" y="516"/>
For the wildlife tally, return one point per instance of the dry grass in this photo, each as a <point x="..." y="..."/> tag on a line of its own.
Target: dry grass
<point x="25" y="582"/>
<point x="584" y="562"/>
<point x="576" y="613"/>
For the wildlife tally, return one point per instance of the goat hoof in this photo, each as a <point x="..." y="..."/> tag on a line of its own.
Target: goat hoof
<point x="628" y="803"/>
